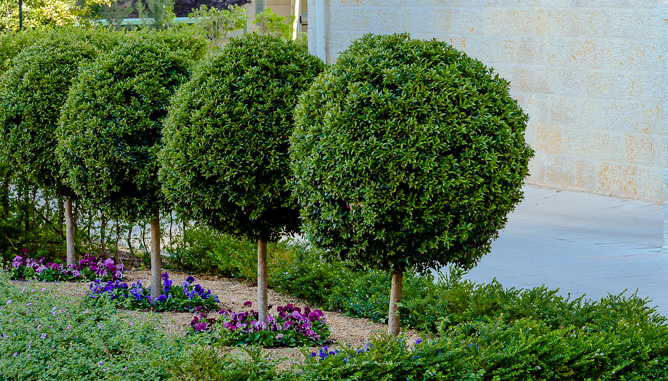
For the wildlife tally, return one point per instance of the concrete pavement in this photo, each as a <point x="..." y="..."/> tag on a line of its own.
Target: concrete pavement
<point x="581" y="244"/>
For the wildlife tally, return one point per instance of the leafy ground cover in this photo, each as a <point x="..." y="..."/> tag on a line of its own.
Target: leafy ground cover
<point x="481" y="332"/>
<point x="89" y="268"/>
<point x="48" y="336"/>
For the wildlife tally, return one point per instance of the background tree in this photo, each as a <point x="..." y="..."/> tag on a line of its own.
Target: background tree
<point x="407" y="153"/>
<point x="32" y="93"/>
<point x="110" y="133"/>
<point x="225" y="158"/>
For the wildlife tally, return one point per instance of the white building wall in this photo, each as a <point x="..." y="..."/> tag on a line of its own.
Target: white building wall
<point x="591" y="74"/>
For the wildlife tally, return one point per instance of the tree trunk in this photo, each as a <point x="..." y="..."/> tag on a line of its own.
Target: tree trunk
<point x="262" y="279"/>
<point x="69" y="232"/>
<point x="103" y="226"/>
<point x="393" y="324"/>
<point x="156" y="262"/>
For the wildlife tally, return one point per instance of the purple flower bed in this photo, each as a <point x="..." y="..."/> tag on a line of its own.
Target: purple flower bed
<point x="89" y="267"/>
<point x="291" y="327"/>
<point x="184" y="297"/>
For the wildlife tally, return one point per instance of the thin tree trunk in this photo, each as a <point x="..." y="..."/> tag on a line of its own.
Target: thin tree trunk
<point x="90" y="223"/>
<point x="117" y="239"/>
<point x="393" y="324"/>
<point x="262" y="279"/>
<point x="4" y="196"/>
<point x="69" y="232"/>
<point x="103" y="226"/>
<point x="132" y="251"/>
<point x="156" y="262"/>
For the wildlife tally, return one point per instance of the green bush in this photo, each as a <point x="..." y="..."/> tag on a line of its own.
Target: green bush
<point x="32" y="93"/>
<point x="225" y="156"/>
<point x="111" y="127"/>
<point x="218" y="364"/>
<point x="407" y="153"/>
<point x="205" y="250"/>
<point x="11" y="44"/>
<point x="177" y="40"/>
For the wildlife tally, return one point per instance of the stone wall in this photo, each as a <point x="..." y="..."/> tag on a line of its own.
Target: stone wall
<point x="590" y="73"/>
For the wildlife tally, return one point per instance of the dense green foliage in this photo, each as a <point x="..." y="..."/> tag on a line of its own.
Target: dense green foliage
<point x="186" y="44"/>
<point x="225" y="158"/>
<point x="205" y="250"/>
<point x="32" y="93"/>
<point x="632" y="348"/>
<point x="11" y="44"/>
<point x="407" y="153"/>
<point x="111" y="127"/>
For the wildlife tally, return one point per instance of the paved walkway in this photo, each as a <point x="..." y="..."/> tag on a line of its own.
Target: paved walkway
<point x="581" y="244"/>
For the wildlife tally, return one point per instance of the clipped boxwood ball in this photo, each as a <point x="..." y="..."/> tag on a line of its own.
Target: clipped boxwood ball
<point x="225" y="159"/>
<point x="32" y="93"/>
<point x="111" y="127"/>
<point x="407" y="153"/>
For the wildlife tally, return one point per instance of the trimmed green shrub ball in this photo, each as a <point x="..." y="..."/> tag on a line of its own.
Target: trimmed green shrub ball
<point x="111" y="127"/>
<point x="180" y="41"/>
<point x="32" y="93"/>
<point x="225" y="159"/>
<point x="407" y="153"/>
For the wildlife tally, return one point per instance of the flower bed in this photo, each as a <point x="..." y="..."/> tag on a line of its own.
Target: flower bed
<point x="89" y="267"/>
<point x="292" y="327"/>
<point x="184" y="297"/>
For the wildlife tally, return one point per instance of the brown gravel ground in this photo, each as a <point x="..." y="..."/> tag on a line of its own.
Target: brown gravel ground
<point x="232" y="294"/>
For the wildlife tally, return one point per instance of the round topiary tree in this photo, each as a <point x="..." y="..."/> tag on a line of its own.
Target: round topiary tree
<point x="32" y="93"/>
<point x="225" y="158"/>
<point x="407" y="153"/>
<point x="110" y="133"/>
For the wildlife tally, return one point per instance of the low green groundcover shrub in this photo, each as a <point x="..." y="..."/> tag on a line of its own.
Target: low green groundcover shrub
<point x="525" y="349"/>
<point x="206" y="250"/>
<point x="89" y="268"/>
<point x="184" y="297"/>
<point x="292" y="327"/>
<point x="45" y="336"/>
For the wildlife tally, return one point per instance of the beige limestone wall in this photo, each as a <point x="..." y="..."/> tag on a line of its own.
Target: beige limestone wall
<point x="590" y="73"/>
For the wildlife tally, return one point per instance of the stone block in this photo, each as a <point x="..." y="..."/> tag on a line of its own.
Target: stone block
<point x="560" y="170"/>
<point x="585" y="174"/>
<point x="547" y="139"/>
<point x="617" y="179"/>
<point x="649" y="184"/>
<point x="639" y="149"/>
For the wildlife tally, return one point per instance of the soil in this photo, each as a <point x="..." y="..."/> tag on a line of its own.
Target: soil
<point x="232" y="294"/>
